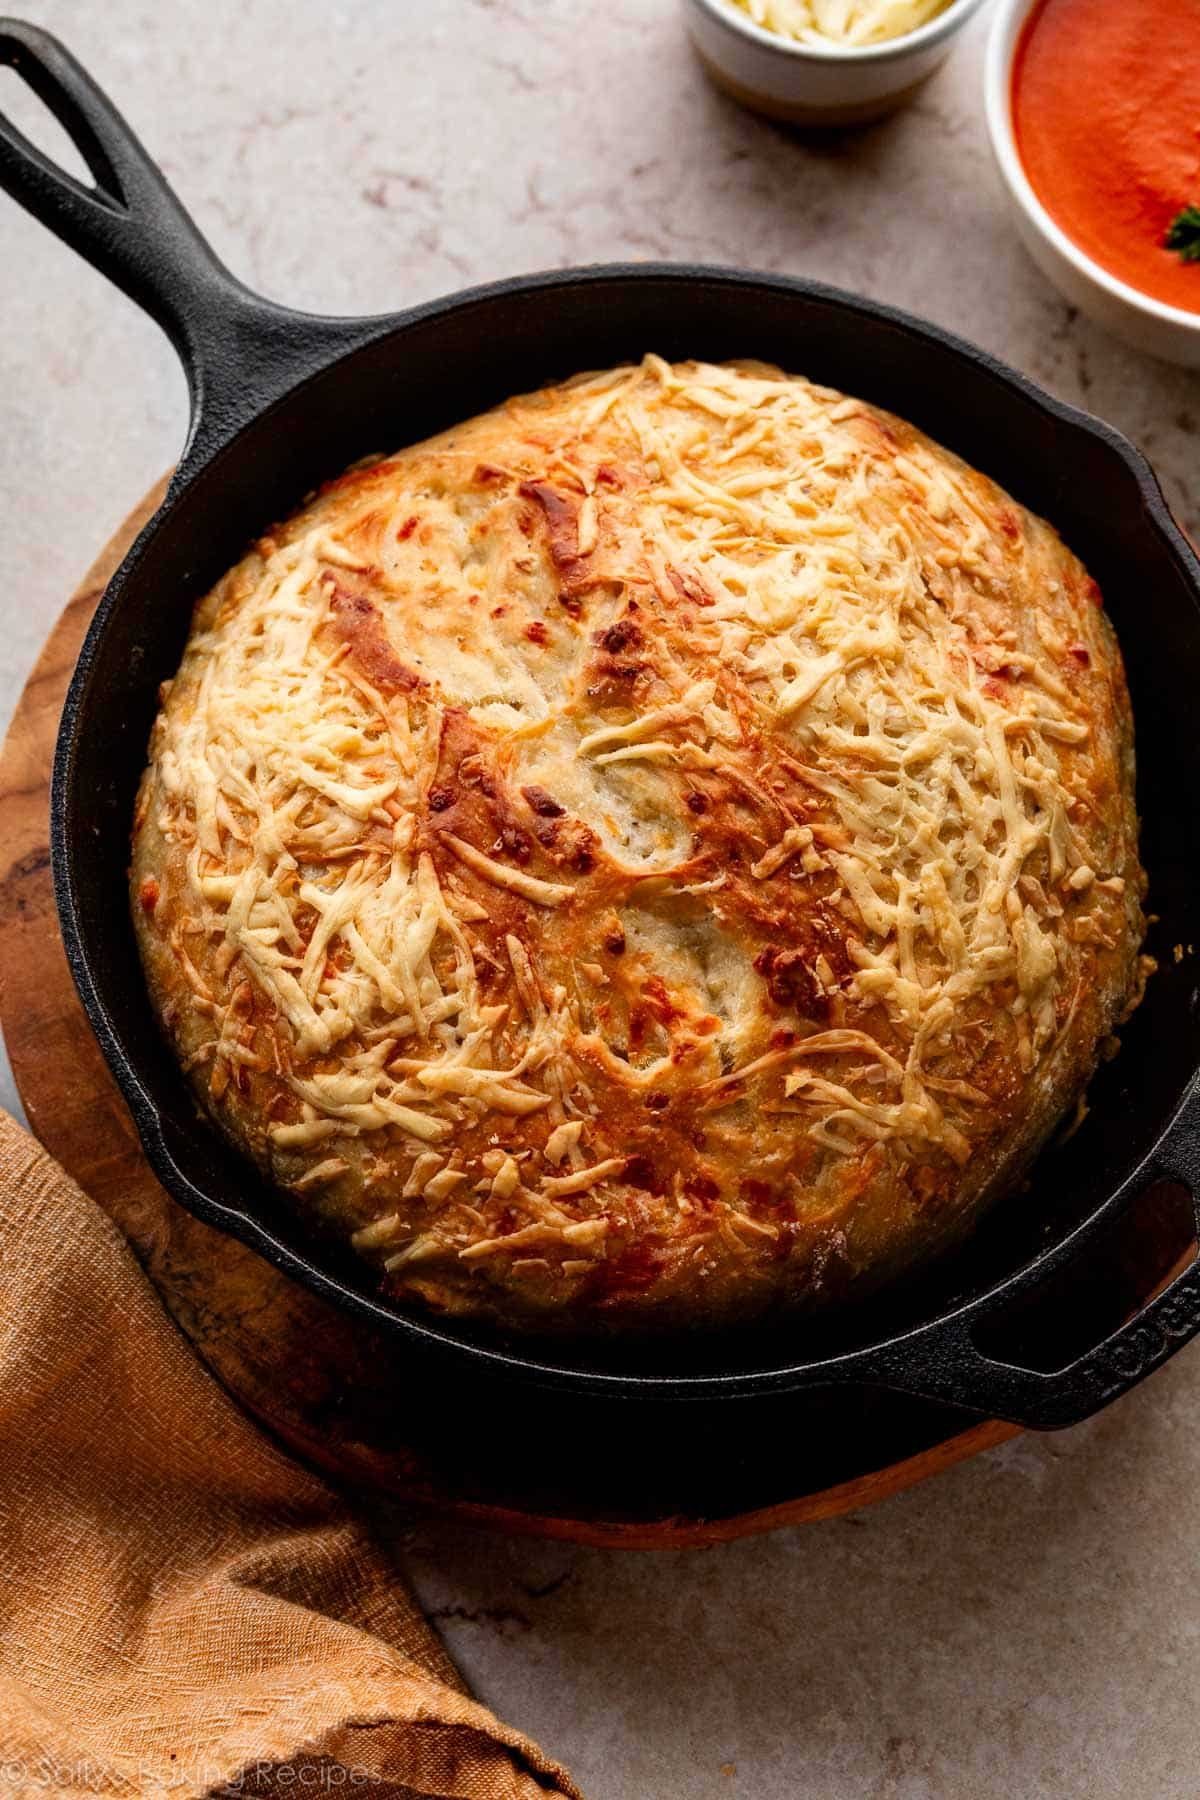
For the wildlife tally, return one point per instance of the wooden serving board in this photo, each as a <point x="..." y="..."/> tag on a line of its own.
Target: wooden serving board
<point x="329" y="1387"/>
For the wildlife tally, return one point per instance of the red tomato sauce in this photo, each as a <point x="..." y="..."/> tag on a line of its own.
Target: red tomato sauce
<point x="1106" y="111"/>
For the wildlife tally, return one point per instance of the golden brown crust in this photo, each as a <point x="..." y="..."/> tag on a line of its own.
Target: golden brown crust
<point x="663" y="848"/>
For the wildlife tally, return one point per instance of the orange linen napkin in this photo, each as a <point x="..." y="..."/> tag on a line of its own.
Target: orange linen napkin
<point x="183" y="1610"/>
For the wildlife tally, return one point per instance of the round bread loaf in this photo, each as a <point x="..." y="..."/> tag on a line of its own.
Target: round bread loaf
<point x="662" y="849"/>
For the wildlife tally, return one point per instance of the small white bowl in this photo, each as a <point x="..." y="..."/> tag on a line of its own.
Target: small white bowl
<point x="1147" y="324"/>
<point x="803" y="85"/>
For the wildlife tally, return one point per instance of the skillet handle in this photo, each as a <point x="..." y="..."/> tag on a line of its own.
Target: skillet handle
<point x="946" y="1363"/>
<point x="239" y="351"/>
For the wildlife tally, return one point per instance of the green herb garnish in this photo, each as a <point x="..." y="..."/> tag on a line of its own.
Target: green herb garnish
<point x="1183" y="234"/>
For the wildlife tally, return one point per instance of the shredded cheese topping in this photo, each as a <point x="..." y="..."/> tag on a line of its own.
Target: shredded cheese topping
<point x="688" y="735"/>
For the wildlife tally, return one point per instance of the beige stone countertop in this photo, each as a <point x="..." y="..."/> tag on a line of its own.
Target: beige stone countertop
<point x="1027" y="1627"/>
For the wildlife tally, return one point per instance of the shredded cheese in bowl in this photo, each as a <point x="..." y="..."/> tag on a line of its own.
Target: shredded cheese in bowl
<point x="848" y="24"/>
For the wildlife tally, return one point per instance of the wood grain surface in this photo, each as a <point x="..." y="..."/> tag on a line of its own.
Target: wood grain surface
<point x="329" y="1388"/>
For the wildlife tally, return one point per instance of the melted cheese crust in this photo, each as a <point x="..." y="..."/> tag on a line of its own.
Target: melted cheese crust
<point x="662" y="848"/>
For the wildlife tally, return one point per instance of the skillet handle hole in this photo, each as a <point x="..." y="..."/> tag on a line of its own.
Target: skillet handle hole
<point x="1083" y="1303"/>
<point x="34" y="119"/>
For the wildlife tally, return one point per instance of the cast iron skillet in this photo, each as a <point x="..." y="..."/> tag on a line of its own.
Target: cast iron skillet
<point x="281" y="400"/>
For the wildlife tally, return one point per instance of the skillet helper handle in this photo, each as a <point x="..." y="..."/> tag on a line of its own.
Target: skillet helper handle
<point x="947" y="1364"/>
<point x="239" y="351"/>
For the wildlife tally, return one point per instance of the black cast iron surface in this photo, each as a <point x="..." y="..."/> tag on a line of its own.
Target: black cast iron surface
<point x="282" y="400"/>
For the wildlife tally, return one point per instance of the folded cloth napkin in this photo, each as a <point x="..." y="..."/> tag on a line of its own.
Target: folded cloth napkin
<point x="183" y="1610"/>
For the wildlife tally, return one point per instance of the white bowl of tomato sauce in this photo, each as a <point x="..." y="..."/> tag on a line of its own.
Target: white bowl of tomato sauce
<point x="1094" y="112"/>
